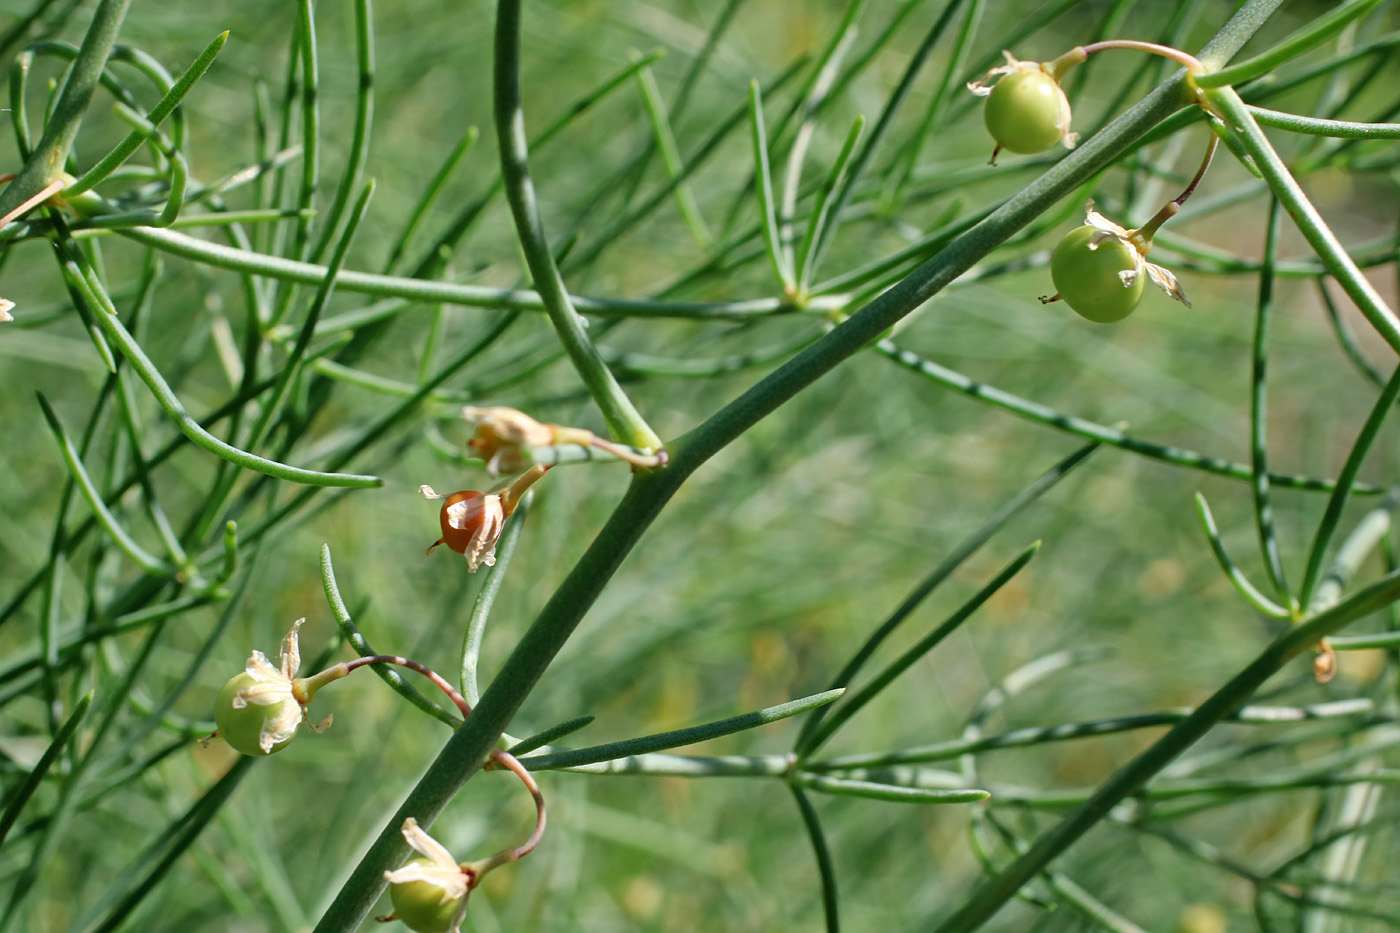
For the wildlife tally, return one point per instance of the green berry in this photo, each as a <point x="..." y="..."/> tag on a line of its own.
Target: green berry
<point x="1023" y="111"/>
<point x="419" y="904"/>
<point x="241" y="727"/>
<point x="1087" y="275"/>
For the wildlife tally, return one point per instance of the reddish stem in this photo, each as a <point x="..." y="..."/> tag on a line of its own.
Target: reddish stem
<point x="1169" y="209"/>
<point x="1192" y="63"/>
<point x="511" y="763"/>
<point x="503" y="758"/>
<point x="463" y="706"/>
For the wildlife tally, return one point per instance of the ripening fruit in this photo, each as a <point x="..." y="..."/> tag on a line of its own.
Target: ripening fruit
<point x="461" y="517"/>
<point x="1089" y="275"/>
<point x="420" y="906"/>
<point x="1023" y="111"/>
<point x="242" y="727"/>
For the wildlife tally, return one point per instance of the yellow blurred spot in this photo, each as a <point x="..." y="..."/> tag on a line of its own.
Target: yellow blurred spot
<point x="1202" y="918"/>
<point x="1360" y="667"/>
<point x="1162" y="578"/>
<point x="642" y="897"/>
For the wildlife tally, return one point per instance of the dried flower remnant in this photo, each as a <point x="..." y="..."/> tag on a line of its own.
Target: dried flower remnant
<point x="503" y="435"/>
<point x="1027" y="110"/>
<point x="504" y="438"/>
<point x="429" y="893"/>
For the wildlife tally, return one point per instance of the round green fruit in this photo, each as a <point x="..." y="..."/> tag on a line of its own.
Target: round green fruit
<point x="1023" y="112"/>
<point x="419" y="904"/>
<point x="241" y="727"/>
<point x="1087" y="275"/>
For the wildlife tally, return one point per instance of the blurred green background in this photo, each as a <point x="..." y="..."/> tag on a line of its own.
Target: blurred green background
<point x="779" y="556"/>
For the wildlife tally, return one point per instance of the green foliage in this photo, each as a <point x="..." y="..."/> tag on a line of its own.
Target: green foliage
<point x="958" y="669"/>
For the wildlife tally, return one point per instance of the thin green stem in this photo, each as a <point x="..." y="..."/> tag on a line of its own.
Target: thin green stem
<point x="547" y="736"/>
<point x="1313" y="126"/>
<point x="495" y="577"/>
<point x="1316" y="32"/>
<point x="1310" y="223"/>
<point x="430" y="292"/>
<point x="872" y="790"/>
<point x="20" y="795"/>
<point x="922" y="647"/>
<point x="1068" y="731"/>
<point x="1346" y="338"/>
<point x="661" y="741"/>
<point x="296" y="356"/>
<point x="821" y="207"/>
<point x="116" y="333"/>
<point x="965" y="549"/>
<point x="623" y="419"/>
<point x="362" y="647"/>
<point x="179" y="177"/>
<point x="1258" y="416"/>
<point x="128" y="146"/>
<point x="763" y="182"/>
<point x="671" y="157"/>
<point x="1236" y="576"/>
<point x="139" y="555"/>
<point x="430" y="196"/>
<point x="1104" y="434"/>
<point x="308" y="58"/>
<point x="1370" y="531"/>
<point x="360" y="134"/>
<point x="1331" y="518"/>
<point x="831" y="905"/>
<point x="171" y="844"/>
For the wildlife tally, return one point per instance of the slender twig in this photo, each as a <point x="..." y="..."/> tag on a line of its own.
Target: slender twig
<point x="625" y="422"/>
